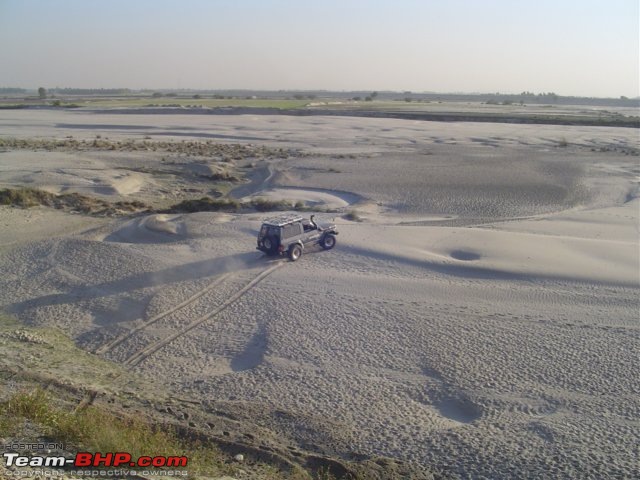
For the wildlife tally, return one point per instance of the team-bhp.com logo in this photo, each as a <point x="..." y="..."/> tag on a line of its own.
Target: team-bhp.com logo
<point x="85" y="459"/>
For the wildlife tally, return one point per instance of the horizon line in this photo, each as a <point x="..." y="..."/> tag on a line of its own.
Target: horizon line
<point x="319" y="90"/>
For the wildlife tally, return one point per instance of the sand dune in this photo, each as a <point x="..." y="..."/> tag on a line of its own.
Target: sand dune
<point x="522" y="254"/>
<point x="68" y="172"/>
<point x="150" y="229"/>
<point x="312" y="197"/>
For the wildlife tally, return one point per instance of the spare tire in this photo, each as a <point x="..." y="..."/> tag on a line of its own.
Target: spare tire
<point x="271" y="244"/>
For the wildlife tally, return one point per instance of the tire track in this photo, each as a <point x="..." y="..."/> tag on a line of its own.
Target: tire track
<point x="126" y="335"/>
<point x="146" y="352"/>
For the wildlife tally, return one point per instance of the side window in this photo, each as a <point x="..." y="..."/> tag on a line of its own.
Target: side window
<point x="292" y="230"/>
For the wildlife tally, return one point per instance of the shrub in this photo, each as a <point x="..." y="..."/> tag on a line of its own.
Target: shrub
<point x="223" y="176"/>
<point x="205" y="204"/>
<point x="32" y="197"/>
<point x="32" y="405"/>
<point x="98" y="429"/>
<point x="265" y="205"/>
<point x="25" y="197"/>
<point x="353" y="216"/>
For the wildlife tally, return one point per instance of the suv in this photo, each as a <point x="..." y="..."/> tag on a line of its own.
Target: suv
<point x="289" y="235"/>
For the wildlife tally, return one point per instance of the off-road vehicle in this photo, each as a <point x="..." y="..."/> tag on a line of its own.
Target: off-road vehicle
<point x="291" y="234"/>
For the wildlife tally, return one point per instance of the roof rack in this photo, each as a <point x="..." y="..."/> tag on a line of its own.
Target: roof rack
<point x="283" y="220"/>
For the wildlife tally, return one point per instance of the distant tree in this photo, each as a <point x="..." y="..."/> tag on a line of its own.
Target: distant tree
<point x="373" y="95"/>
<point x="42" y="92"/>
<point x="407" y="99"/>
<point x="90" y="91"/>
<point x="367" y="99"/>
<point x="299" y="97"/>
<point x="197" y="96"/>
<point x="156" y="95"/>
<point x="356" y="99"/>
<point x="622" y="97"/>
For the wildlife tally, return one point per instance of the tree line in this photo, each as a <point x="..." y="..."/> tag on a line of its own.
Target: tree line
<point x="90" y="91"/>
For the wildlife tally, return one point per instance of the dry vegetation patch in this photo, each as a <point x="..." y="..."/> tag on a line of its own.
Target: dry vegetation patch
<point x="223" y="151"/>
<point x="74" y="202"/>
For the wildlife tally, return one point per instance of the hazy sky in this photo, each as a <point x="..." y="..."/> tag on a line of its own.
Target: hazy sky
<point x="571" y="47"/>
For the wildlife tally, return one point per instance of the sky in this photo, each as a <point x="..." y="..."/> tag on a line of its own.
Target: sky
<point x="570" y="47"/>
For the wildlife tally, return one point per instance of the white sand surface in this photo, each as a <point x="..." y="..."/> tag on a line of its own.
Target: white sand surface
<point x="315" y="134"/>
<point x="560" y="252"/>
<point x="60" y="172"/>
<point x="18" y="226"/>
<point x="482" y="320"/>
<point x="311" y="197"/>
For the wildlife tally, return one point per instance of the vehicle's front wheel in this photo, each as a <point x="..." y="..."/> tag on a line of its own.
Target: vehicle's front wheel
<point x="328" y="242"/>
<point x="270" y="244"/>
<point x="295" y="252"/>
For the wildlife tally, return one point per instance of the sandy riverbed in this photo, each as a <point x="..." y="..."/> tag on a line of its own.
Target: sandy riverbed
<point x="481" y="319"/>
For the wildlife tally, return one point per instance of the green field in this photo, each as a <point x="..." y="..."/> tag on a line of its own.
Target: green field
<point x="433" y="110"/>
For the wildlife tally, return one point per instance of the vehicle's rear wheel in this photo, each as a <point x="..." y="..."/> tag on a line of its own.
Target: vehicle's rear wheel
<point x="295" y="252"/>
<point x="328" y="242"/>
<point x="270" y="245"/>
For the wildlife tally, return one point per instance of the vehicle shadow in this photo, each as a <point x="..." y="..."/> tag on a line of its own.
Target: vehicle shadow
<point x="188" y="271"/>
